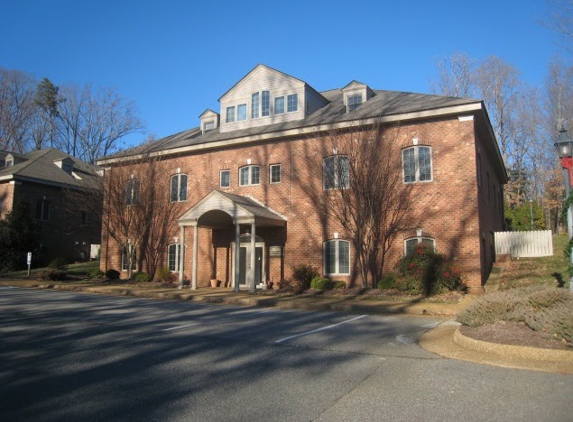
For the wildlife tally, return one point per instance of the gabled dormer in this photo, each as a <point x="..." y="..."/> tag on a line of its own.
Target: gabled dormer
<point x="209" y="120"/>
<point x="66" y="164"/>
<point x="355" y="94"/>
<point x="266" y="96"/>
<point x="12" y="159"/>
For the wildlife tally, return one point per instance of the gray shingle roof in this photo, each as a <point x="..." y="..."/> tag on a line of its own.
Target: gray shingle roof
<point x="39" y="166"/>
<point x="384" y="103"/>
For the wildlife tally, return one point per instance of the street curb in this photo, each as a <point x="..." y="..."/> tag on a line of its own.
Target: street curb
<point x="447" y="341"/>
<point x="521" y="352"/>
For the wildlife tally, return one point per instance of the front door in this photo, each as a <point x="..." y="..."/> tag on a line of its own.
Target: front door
<point x="245" y="264"/>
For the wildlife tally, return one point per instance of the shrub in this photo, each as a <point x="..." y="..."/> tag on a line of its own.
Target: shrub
<point x="112" y="274"/>
<point x="165" y="275"/>
<point x="95" y="273"/>
<point x="302" y="275"/>
<point x="319" y="283"/>
<point x="428" y="272"/>
<point x="58" y="264"/>
<point x="52" y="274"/>
<point x="141" y="277"/>
<point x="546" y="309"/>
<point x="338" y="284"/>
<point x="387" y="282"/>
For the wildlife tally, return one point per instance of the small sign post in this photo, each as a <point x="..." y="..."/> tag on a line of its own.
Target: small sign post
<point x="29" y="261"/>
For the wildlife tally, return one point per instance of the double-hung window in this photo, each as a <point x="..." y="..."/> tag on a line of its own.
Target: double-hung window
<point x="230" y="117"/>
<point x="43" y="209"/>
<point x="132" y="192"/>
<point x="275" y="173"/>
<point x="249" y="175"/>
<point x="292" y="102"/>
<point x="336" y="257"/>
<point x="417" y="164"/>
<point x="354" y="102"/>
<point x="127" y="250"/>
<point x="412" y="243"/>
<point x="225" y="178"/>
<point x="241" y="112"/>
<point x="335" y="172"/>
<point x="173" y="256"/>
<point x="260" y="103"/>
<point x="178" y="188"/>
<point x="279" y="105"/>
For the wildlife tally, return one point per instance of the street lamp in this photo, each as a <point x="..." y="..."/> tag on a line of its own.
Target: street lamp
<point x="564" y="146"/>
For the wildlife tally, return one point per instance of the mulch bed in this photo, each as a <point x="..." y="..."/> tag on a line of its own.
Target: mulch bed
<point x="514" y="333"/>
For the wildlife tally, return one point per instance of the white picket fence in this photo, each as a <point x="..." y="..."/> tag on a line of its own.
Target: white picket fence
<point x="524" y="244"/>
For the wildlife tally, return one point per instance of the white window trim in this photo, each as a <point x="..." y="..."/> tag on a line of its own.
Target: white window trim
<point x="337" y="256"/>
<point x="221" y="178"/>
<point x="271" y="174"/>
<point x="287" y="103"/>
<point x="177" y="257"/>
<point x="336" y="181"/>
<point x="250" y="183"/>
<point x="416" y="149"/>
<point x="178" y="176"/>
<point x="123" y="256"/>
<point x="231" y="117"/>
<point x="419" y="239"/>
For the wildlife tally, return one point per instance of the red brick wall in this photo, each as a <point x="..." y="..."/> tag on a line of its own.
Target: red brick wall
<point x="454" y="211"/>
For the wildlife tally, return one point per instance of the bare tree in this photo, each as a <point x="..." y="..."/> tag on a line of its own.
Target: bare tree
<point x="455" y="76"/>
<point x="137" y="213"/>
<point x="363" y="192"/>
<point x="560" y="20"/>
<point x="16" y="109"/>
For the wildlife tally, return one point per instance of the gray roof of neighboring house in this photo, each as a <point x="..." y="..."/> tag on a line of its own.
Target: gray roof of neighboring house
<point x="384" y="103"/>
<point x="39" y="167"/>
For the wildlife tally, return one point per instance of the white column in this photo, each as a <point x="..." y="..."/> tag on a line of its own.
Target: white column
<point x="253" y="256"/>
<point x="237" y="251"/>
<point x="181" y="256"/>
<point x="195" y="254"/>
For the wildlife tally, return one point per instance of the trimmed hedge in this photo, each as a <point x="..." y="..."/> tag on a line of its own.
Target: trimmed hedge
<point x="112" y="274"/>
<point x="141" y="277"/>
<point x="319" y="283"/>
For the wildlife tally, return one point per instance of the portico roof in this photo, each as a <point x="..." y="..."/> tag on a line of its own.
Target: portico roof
<point x="221" y="209"/>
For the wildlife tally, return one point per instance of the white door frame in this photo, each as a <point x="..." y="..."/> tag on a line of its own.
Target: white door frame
<point x="248" y="268"/>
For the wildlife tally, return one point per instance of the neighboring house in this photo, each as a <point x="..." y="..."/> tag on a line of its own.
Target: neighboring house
<point x="49" y="181"/>
<point x="241" y="172"/>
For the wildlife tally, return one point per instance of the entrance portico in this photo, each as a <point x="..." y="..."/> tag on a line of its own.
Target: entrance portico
<point x="222" y="210"/>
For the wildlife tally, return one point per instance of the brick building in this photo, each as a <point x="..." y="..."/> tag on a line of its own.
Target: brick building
<point x="45" y="180"/>
<point x="242" y="176"/>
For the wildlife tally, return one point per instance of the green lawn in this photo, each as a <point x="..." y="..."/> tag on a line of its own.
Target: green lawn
<point x="76" y="270"/>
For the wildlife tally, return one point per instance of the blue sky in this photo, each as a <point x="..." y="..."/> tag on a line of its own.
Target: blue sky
<point x="176" y="58"/>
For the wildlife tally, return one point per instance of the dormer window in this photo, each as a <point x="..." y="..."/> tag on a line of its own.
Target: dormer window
<point x="67" y="168"/>
<point x="209" y="125"/>
<point x="230" y="117"/>
<point x="354" y="101"/>
<point x="279" y="105"/>
<point x="241" y="112"/>
<point x="9" y="162"/>
<point x="260" y="102"/>
<point x="209" y="120"/>
<point x="292" y="102"/>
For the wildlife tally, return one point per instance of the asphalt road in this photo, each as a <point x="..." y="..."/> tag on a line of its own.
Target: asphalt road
<point x="68" y="357"/>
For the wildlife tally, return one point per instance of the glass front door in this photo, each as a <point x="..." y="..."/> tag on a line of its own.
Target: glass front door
<point x="245" y="264"/>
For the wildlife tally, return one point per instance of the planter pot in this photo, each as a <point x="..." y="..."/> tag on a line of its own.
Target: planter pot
<point x="214" y="283"/>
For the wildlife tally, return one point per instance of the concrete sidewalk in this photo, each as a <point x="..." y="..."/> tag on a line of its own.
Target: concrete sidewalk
<point x="445" y="340"/>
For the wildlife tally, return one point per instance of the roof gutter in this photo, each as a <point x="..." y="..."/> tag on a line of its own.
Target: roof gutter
<point x="466" y="108"/>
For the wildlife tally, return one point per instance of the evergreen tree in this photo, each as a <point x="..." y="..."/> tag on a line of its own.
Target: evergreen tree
<point x="18" y="233"/>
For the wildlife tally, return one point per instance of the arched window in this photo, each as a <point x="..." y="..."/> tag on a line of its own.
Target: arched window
<point x="417" y="164"/>
<point x="336" y="257"/>
<point x="178" y="190"/>
<point x="132" y="192"/>
<point x="335" y="172"/>
<point x="249" y="175"/>
<point x="412" y="243"/>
